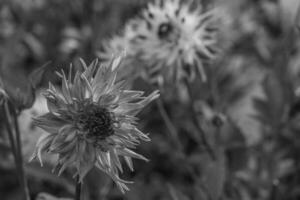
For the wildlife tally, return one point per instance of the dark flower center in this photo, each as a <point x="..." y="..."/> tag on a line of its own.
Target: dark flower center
<point x="96" y="121"/>
<point x="164" y="30"/>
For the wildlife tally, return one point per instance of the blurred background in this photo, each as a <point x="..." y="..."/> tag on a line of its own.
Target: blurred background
<point x="259" y="155"/>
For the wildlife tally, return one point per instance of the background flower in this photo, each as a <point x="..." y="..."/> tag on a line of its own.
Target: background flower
<point x="173" y="39"/>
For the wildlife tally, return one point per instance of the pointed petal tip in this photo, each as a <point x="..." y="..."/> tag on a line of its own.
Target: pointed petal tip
<point x="83" y="64"/>
<point x="32" y="157"/>
<point x="155" y="94"/>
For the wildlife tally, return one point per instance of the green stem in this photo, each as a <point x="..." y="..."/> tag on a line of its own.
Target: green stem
<point x="16" y="149"/>
<point x="172" y="130"/>
<point x="196" y="122"/>
<point x="11" y="139"/>
<point x="20" y="155"/>
<point x="9" y="131"/>
<point x="274" y="190"/>
<point x="78" y="189"/>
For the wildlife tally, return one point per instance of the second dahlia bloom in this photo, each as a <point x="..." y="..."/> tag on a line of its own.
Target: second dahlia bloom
<point x="173" y="38"/>
<point x="91" y="122"/>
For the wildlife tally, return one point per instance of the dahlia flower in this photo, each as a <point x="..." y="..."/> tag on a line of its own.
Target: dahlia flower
<point x="91" y="122"/>
<point x="173" y="38"/>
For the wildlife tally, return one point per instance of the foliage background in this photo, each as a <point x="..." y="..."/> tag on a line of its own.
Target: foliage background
<point x="258" y="157"/>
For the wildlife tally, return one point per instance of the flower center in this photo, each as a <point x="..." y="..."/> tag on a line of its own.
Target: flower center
<point x="164" y="30"/>
<point x="96" y="121"/>
<point x="168" y="32"/>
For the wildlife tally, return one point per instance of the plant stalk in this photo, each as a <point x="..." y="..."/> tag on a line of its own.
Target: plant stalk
<point x="170" y="126"/>
<point x="20" y="155"/>
<point x="78" y="189"/>
<point x="9" y="131"/>
<point x="11" y="140"/>
<point x="196" y="122"/>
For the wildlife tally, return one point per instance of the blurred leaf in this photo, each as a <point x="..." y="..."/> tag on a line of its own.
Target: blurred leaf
<point x="176" y="194"/>
<point x="261" y="106"/>
<point x="44" y="173"/>
<point x="45" y="196"/>
<point x="21" y="89"/>
<point x="19" y="92"/>
<point x="297" y="20"/>
<point x="4" y="147"/>
<point x="234" y="143"/>
<point x="34" y="45"/>
<point x="36" y="75"/>
<point x="289" y="9"/>
<point x="274" y="92"/>
<point x="214" y="176"/>
<point x="229" y="87"/>
<point x="272" y="109"/>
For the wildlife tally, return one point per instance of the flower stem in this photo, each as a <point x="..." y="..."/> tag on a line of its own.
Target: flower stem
<point x="196" y="122"/>
<point x="20" y="155"/>
<point x="10" y="132"/>
<point x="274" y="190"/>
<point x="170" y="126"/>
<point x="16" y="147"/>
<point x="78" y="189"/>
<point x="11" y="139"/>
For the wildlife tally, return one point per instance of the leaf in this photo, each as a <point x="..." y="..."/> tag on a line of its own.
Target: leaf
<point x="34" y="45"/>
<point x="20" y="93"/>
<point x="297" y="20"/>
<point x="26" y="99"/>
<point x="20" y="88"/>
<point x="262" y="107"/>
<point x="230" y="88"/>
<point x="273" y="108"/>
<point x="288" y="12"/>
<point x="36" y="75"/>
<point x="44" y="173"/>
<point x="214" y="174"/>
<point x="235" y="143"/>
<point x="4" y="147"/>
<point x="176" y="194"/>
<point x="274" y="91"/>
<point x="46" y="196"/>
